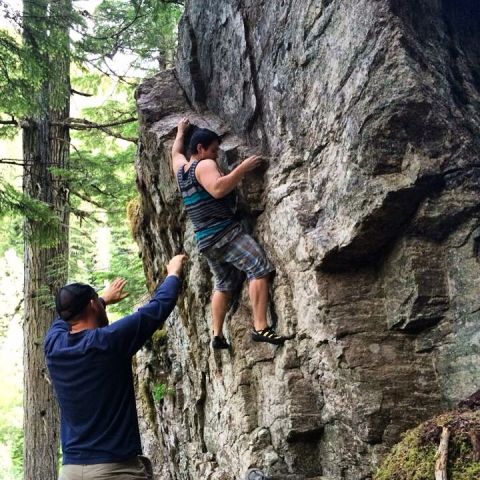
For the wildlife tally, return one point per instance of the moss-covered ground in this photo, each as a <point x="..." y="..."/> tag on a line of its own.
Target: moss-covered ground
<point x="413" y="458"/>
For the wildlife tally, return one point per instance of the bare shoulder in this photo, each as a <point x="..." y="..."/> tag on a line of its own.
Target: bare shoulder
<point x="207" y="164"/>
<point x="207" y="171"/>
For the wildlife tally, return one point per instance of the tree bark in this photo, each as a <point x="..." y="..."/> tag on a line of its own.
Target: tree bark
<point x="46" y="262"/>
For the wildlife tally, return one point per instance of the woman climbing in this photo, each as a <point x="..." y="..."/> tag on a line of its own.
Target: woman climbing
<point x="208" y="196"/>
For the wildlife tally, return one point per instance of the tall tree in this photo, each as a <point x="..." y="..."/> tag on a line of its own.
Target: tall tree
<point x="45" y="145"/>
<point x="34" y="95"/>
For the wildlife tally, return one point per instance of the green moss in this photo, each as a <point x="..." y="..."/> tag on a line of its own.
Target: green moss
<point x="408" y="460"/>
<point x="159" y="338"/>
<point x="160" y="390"/>
<point x="467" y="472"/>
<point x="462" y="466"/>
<point x="413" y="458"/>
<point x="134" y="216"/>
<point x="146" y="399"/>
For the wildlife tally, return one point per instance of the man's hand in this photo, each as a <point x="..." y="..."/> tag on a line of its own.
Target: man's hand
<point x="114" y="292"/>
<point x="251" y="163"/>
<point x="183" y="125"/>
<point x="175" y="265"/>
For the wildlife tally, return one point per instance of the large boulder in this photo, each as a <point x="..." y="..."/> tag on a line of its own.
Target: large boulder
<point x="368" y="113"/>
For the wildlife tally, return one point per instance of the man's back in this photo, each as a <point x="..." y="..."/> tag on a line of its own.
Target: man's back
<point x="92" y="377"/>
<point x="94" y="386"/>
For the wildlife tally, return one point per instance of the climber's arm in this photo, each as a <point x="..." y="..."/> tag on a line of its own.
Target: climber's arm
<point x="178" y="155"/>
<point x="218" y="185"/>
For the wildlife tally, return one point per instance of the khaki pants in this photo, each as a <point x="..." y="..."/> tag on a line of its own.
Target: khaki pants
<point x="137" y="468"/>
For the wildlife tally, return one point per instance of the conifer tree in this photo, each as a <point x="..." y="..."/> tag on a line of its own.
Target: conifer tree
<point x="59" y="177"/>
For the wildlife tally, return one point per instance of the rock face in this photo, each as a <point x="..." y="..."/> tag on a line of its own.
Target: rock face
<point x="369" y="114"/>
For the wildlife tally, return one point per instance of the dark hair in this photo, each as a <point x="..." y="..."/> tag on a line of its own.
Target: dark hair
<point x="204" y="137"/>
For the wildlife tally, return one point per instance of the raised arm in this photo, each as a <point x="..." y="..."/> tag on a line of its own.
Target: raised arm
<point x="218" y="185"/>
<point x="178" y="154"/>
<point x="130" y="333"/>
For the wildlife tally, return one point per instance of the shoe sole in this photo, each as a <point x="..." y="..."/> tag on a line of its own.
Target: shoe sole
<point x="280" y="341"/>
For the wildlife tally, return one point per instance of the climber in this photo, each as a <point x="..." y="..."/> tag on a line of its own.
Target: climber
<point x="210" y="202"/>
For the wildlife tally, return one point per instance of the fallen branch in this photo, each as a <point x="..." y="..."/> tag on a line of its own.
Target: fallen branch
<point x="442" y="456"/>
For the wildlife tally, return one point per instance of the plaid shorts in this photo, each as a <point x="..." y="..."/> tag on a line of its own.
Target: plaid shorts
<point x="234" y="255"/>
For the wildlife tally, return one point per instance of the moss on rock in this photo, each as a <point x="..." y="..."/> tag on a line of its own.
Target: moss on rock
<point x="413" y="458"/>
<point x="134" y="215"/>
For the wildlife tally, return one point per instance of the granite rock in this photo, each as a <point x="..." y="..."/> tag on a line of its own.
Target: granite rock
<point x="368" y="115"/>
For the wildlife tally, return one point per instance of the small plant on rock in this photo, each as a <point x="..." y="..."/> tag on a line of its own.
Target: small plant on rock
<point x="160" y="390"/>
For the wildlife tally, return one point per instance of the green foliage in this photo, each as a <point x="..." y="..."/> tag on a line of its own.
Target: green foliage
<point x="413" y="458"/>
<point x="11" y="227"/>
<point x="11" y="433"/>
<point x="12" y="438"/>
<point x="408" y="460"/>
<point x="30" y="50"/>
<point x="86" y="81"/>
<point x="101" y="175"/>
<point x="142" y="30"/>
<point x="13" y="202"/>
<point x="125" y="263"/>
<point x="14" y="84"/>
<point x="111" y="187"/>
<point x="160" y="390"/>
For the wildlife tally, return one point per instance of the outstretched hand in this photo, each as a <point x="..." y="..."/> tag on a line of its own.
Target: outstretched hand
<point x="114" y="292"/>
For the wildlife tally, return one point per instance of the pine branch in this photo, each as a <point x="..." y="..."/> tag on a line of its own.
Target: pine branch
<point x="17" y="308"/>
<point x="14" y="161"/>
<point x="120" y="78"/>
<point x="84" y="124"/>
<point x="86" y="199"/>
<point x="76" y="92"/>
<point x="123" y="28"/>
<point x="10" y="122"/>
<point x="84" y="215"/>
<point x="102" y="192"/>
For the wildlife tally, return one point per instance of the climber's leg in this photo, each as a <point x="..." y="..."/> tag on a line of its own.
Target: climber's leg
<point x="220" y="303"/>
<point x="246" y="254"/>
<point x="227" y="278"/>
<point x="258" y="291"/>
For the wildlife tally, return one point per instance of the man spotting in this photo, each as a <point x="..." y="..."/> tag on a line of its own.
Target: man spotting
<point x="89" y="362"/>
<point x="209" y="198"/>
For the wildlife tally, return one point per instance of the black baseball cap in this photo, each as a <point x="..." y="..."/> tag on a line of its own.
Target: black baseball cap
<point x="73" y="298"/>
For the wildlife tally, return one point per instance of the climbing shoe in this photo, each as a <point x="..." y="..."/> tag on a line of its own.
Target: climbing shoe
<point x="219" y="343"/>
<point x="267" y="335"/>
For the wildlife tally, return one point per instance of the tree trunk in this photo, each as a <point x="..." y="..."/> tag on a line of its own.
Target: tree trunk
<point x="46" y="261"/>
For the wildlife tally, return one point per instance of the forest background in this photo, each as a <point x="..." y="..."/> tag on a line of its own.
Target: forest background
<point x="88" y="57"/>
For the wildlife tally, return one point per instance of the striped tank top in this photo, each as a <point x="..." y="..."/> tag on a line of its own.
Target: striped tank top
<point x="212" y="218"/>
